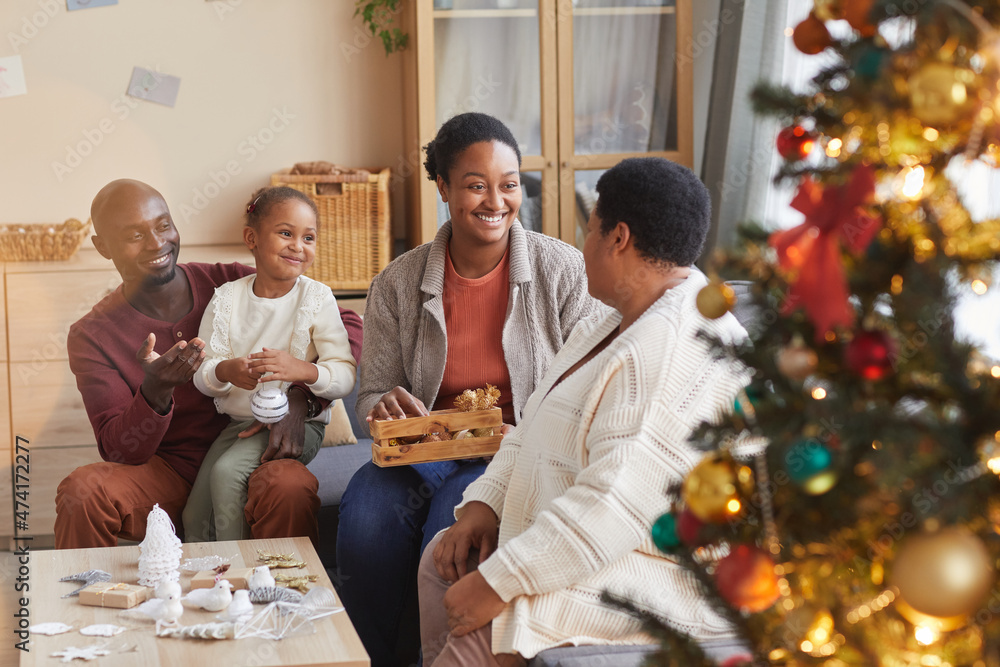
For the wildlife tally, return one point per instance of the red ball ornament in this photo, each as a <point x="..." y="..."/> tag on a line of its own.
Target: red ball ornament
<point x="870" y="354"/>
<point x="689" y="528"/>
<point x="746" y="579"/>
<point x="811" y="36"/>
<point x="856" y="12"/>
<point x="795" y="142"/>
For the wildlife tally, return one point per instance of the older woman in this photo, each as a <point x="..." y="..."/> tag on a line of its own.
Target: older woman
<point x="484" y="302"/>
<point x="565" y="508"/>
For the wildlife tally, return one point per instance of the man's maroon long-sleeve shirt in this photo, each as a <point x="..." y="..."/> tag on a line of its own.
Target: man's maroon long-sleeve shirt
<point x="102" y="347"/>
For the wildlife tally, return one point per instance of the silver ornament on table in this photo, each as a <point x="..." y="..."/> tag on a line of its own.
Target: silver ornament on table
<point x="160" y="550"/>
<point x="268" y="405"/>
<point x="87" y="578"/>
<point x="274" y="594"/>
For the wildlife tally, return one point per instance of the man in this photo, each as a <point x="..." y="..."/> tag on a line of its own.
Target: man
<point x="133" y="357"/>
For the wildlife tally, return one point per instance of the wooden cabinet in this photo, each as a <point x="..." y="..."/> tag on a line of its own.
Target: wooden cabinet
<point x="41" y="404"/>
<point x="582" y="84"/>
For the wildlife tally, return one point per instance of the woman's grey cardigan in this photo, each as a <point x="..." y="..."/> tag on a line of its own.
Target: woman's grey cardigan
<point x="405" y="343"/>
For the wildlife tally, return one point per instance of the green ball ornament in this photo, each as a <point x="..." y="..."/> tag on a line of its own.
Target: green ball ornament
<point x="809" y="463"/>
<point x="665" y="534"/>
<point x="869" y="62"/>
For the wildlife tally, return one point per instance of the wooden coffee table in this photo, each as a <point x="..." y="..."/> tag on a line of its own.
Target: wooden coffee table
<point x="335" y="643"/>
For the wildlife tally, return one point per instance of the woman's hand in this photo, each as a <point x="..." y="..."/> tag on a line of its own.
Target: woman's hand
<point x="237" y="372"/>
<point x="476" y="529"/>
<point x="397" y="404"/>
<point x="282" y="366"/>
<point x="471" y="603"/>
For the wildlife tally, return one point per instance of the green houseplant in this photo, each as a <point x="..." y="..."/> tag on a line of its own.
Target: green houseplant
<point x="378" y="16"/>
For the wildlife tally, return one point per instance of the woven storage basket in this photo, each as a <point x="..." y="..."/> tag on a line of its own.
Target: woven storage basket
<point x="41" y="241"/>
<point x="354" y="237"/>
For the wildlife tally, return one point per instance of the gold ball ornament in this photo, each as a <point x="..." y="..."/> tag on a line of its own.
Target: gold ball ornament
<point x="715" y="299"/>
<point x="797" y="361"/>
<point x="944" y="575"/>
<point x="828" y="10"/>
<point x="939" y="93"/>
<point x="711" y="490"/>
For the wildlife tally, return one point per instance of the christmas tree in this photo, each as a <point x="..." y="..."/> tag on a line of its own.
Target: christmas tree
<point x="866" y="530"/>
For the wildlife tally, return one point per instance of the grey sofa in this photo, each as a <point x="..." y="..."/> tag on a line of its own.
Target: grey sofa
<point x="334" y="467"/>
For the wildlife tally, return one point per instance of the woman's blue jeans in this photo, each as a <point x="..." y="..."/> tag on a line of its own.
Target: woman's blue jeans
<point x="387" y="517"/>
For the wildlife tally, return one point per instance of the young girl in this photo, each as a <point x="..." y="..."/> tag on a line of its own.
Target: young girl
<point x="269" y="329"/>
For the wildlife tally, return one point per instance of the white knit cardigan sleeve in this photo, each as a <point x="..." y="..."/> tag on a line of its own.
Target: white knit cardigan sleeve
<point x="636" y="446"/>
<point x="491" y="486"/>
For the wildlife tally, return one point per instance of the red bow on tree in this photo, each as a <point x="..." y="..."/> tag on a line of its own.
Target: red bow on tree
<point x="812" y="252"/>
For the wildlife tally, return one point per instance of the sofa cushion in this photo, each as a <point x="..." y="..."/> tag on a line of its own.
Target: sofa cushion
<point x="334" y="467"/>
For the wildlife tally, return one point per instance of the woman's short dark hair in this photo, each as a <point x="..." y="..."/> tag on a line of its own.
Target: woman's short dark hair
<point x="666" y="207"/>
<point x="460" y="132"/>
<point x="263" y="199"/>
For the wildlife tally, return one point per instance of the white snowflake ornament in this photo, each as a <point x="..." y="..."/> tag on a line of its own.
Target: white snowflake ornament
<point x="71" y="653"/>
<point x="160" y="551"/>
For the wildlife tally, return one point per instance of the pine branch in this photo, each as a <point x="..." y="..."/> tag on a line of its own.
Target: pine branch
<point x="676" y="648"/>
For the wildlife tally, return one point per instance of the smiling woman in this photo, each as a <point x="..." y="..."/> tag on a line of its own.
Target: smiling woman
<point x="485" y="302"/>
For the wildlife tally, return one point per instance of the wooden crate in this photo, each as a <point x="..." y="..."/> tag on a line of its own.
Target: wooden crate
<point x="384" y="430"/>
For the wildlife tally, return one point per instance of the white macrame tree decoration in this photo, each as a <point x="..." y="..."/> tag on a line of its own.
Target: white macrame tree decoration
<point x="160" y="551"/>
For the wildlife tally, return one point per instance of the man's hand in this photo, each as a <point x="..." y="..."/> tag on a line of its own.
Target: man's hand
<point x="165" y="371"/>
<point x="282" y="366"/>
<point x="238" y="373"/>
<point x="471" y="603"/>
<point x="476" y="529"/>
<point x="289" y="434"/>
<point x="397" y="404"/>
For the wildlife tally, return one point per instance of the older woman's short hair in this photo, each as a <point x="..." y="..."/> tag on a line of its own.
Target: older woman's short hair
<point x="666" y="207"/>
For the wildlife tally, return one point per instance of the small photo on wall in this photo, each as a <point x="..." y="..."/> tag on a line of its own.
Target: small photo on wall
<point x="72" y="5"/>
<point x="154" y="86"/>
<point x="12" y="77"/>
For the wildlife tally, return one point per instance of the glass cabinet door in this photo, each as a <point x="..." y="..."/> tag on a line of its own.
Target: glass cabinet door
<point x="487" y="58"/>
<point x="626" y="78"/>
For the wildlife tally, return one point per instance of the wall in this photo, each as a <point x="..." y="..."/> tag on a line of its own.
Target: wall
<point x="263" y="85"/>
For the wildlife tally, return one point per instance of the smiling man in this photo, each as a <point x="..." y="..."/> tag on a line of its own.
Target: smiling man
<point x="133" y="356"/>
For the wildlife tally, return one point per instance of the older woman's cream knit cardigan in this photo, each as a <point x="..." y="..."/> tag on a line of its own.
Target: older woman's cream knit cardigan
<point x="578" y="485"/>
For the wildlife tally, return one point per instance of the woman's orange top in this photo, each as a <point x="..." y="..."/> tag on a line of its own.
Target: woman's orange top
<point x="474" y="314"/>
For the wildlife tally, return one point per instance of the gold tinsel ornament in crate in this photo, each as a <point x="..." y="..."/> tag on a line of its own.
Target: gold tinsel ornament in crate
<point x="42" y="241"/>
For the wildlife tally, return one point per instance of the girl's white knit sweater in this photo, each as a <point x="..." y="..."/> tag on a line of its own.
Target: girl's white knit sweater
<point x="579" y="483"/>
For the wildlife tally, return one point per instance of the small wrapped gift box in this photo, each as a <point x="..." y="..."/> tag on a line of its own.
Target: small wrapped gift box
<point x="237" y="576"/>
<point x="108" y="594"/>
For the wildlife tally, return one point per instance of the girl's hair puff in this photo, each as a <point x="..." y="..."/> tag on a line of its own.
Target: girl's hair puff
<point x="263" y="199"/>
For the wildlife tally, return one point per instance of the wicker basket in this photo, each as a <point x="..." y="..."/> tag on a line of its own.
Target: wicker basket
<point x="355" y="235"/>
<point x="42" y="241"/>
